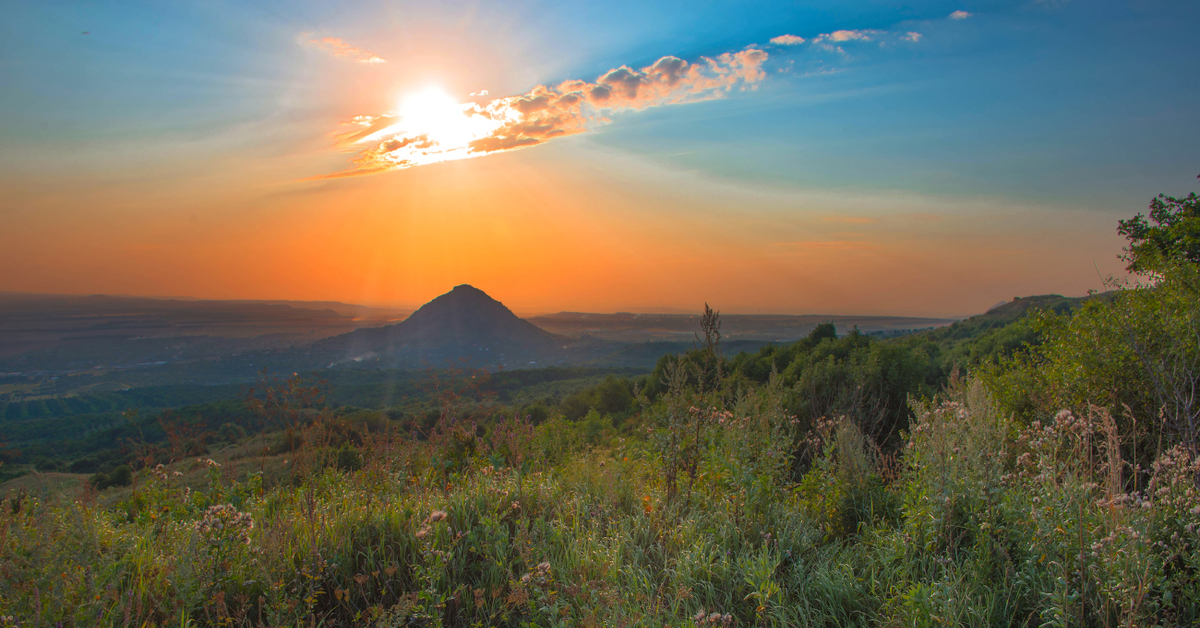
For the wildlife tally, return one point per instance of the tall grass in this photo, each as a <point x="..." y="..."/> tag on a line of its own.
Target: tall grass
<point x="978" y="521"/>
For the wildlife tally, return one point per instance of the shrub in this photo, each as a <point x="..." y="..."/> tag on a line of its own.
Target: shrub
<point x="121" y="476"/>
<point x="349" y="458"/>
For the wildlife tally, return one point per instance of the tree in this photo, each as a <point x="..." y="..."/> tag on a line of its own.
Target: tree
<point x="1174" y="235"/>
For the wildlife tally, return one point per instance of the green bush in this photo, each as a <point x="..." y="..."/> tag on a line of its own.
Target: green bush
<point x="121" y="476"/>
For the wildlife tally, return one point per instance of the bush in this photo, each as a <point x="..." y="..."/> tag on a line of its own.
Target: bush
<point x="85" y="465"/>
<point x="121" y="476"/>
<point x="349" y="458"/>
<point x="46" y="464"/>
<point x="231" y="433"/>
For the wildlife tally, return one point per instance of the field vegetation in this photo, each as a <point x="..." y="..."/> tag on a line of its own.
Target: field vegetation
<point x="1042" y="470"/>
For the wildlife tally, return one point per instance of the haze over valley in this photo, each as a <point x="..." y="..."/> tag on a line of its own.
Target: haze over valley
<point x="122" y="342"/>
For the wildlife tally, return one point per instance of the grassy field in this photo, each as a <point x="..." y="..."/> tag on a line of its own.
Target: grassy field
<point x="977" y="522"/>
<point x="1058" y="484"/>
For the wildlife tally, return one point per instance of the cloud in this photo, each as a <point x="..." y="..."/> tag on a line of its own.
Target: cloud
<point x="787" y="40"/>
<point x="393" y="141"/>
<point x="959" y="15"/>
<point x="840" y="36"/>
<point x="831" y="42"/>
<point x="341" y="49"/>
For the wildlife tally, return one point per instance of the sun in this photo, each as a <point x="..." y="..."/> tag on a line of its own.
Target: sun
<point x="430" y="126"/>
<point x="434" y="113"/>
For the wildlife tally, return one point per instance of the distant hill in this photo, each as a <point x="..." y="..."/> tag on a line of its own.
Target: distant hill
<point x="463" y="324"/>
<point x="986" y="337"/>
<point x="1002" y="314"/>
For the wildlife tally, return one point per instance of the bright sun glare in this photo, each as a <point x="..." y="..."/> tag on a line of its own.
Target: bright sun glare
<point x="434" y="113"/>
<point x="431" y="126"/>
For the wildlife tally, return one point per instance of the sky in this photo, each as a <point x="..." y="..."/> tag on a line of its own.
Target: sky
<point x="855" y="157"/>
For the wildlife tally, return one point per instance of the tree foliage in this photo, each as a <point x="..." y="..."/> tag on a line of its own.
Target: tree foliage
<point x="1175" y="233"/>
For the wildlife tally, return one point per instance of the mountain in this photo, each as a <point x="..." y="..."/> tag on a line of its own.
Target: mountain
<point x="463" y="324"/>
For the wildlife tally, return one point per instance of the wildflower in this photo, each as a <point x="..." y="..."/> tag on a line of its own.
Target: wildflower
<point x="543" y="568"/>
<point x="222" y="522"/>
<point x="700" y="615"/>
<point x="516" y="505"/>
<point x="437" y="516"/>
<point x="1195" y="511"/>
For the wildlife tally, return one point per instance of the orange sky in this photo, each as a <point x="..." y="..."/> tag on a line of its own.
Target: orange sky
<point x="828" y="158"/>
<point x="568" y="227"/>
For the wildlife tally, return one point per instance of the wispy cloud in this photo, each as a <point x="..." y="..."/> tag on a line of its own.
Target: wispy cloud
<point x="393" y="141"/>
<point x="787" y="40"/>
<point x="840" y="36"/>
<point x="959" y="15"/>
<point x="832" y="42"/>
<point x="339" y="48"/>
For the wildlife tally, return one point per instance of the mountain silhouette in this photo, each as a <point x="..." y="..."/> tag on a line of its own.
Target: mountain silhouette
<point x="464" y="323"/>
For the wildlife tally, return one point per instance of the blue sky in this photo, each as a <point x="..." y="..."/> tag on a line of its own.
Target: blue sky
<point x="1022" y="128"/>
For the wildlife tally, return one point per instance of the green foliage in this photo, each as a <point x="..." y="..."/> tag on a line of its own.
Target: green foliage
<point x="231" y="432"/>
<point x="1175" y="234"/>
<point x="121" y="476"/>
<point x="977" y="521"/>
<point x="869" y="382"/>
<point x="957" y="458"/>
<point x="348" y="458"/>
<point x="681" y="428"/>
<point x="612" y="397"/>
<point x="1136" y="353"/>
<point x="750" y="446"/>
<point x="843" y="491"/>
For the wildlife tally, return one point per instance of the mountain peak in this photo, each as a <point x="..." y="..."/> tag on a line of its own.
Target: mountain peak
<point x="462" y="322"/>
<point x="467" y="289"/>
<point x="462" y="300"/>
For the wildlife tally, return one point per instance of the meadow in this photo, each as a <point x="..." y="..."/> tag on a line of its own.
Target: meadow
<point x="1045" y="473"/>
